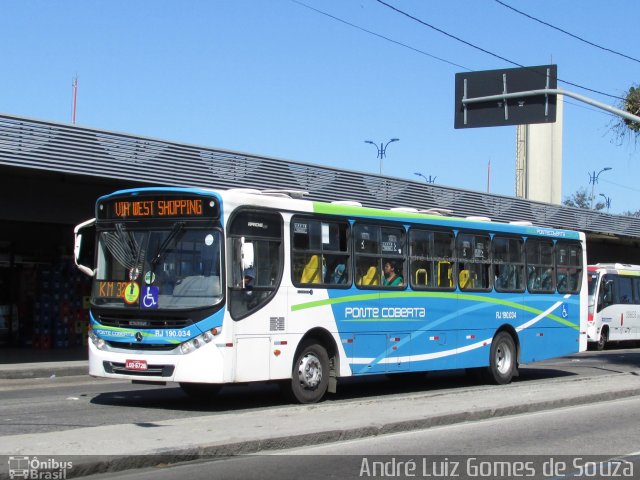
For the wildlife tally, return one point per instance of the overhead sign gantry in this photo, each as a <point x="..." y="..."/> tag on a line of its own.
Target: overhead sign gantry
<point x="514" y="96"/>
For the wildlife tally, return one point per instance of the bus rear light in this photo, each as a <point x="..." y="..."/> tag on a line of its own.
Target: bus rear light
<point x="590" y="318"/>
<point x="277" y="352"/>
<point x="216" y="331"/>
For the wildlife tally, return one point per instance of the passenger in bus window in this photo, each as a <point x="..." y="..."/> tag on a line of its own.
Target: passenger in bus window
<point x="547" y="280"/>
<point x="247" y="280"/>
<point x="391" y="276"/>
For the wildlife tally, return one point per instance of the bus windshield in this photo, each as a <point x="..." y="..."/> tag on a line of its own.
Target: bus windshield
<point x="170" y="268"/>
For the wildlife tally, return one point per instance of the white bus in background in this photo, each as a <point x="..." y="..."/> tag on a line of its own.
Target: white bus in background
<point x="614" y="303"/>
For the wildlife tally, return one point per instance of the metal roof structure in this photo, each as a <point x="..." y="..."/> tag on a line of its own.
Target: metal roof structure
<point x="35" y="144"/>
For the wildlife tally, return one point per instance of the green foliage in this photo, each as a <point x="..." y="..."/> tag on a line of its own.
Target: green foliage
<point x="632" y="105"/>
<point x="632" y="214"/>
<point x="581" y="199"/>
<point x="623" y="128"/>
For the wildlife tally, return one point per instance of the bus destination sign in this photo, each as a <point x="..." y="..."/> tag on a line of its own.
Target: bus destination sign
<point x="157" y="207"/>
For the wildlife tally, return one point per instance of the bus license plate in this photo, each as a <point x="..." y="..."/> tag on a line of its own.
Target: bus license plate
<point x="135" y="365"/>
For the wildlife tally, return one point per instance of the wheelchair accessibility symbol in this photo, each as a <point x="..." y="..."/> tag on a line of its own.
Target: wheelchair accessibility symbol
<point x="564" y="312"/>
<point x="149" y="297"/>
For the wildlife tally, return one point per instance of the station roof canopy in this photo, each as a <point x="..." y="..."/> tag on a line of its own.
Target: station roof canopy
<point x="57" y="147"/>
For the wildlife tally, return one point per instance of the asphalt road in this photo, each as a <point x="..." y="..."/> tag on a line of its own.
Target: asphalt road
<point x="46" y="405"/>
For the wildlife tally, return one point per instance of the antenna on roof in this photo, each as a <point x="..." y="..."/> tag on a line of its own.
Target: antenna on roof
<point x="437" y="211"/>
<point x="287" y="193"/>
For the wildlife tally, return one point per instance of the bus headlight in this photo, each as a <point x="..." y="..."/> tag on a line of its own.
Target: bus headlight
<point x="200" y="340"/>
<point x="97" y="341"/>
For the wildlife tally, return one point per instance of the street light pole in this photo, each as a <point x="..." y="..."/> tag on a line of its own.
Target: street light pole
<point x="593" y="179"/>
<point x="428" y="180"/>
<point x="382" y="149"/>
<point x="607" y="201"/>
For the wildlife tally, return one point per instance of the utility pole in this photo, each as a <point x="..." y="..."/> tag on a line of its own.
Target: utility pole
<point x="75" y="97"/>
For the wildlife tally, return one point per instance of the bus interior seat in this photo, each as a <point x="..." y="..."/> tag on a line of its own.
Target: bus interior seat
<point x="562" y="282"/>
<point x="371" y="277"/>
<point x="507" y="278"/>
<point x="533" y="282"/>
<point x="466" y="280"/>
<point x="546" y="281"/>
<point x="444" y="274"/>
<point x="311" y="272"/>
<point x="339" y="275"/>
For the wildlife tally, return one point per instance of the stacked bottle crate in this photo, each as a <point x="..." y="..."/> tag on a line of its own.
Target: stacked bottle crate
<point x="60" y="317"/>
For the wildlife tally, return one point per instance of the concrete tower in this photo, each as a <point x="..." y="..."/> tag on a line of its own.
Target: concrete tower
<point x="539" y="159"/>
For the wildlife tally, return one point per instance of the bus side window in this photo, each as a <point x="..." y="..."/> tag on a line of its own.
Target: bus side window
<point x="320" y="252"/>
<point x="625" y="290"/>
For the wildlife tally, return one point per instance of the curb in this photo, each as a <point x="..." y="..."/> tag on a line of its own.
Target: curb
<point x="43" y="370"/>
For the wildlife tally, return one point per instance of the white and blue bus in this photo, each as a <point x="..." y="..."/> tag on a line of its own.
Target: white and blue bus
<point x="207" y="288"/>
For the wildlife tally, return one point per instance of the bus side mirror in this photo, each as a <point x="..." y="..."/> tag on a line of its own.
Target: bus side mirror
<point x="84" y="246"/>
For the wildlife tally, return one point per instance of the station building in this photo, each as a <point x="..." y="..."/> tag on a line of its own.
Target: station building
<point x="52" y="173"/>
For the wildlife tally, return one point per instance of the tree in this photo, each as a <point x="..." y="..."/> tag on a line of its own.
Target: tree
<point x="623" y="128"/>
<point x="629" y="213"/>
<point x="582" y="199"/>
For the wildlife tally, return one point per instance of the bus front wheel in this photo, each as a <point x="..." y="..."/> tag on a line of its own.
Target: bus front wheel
<point x="310" y="374"/>
<point x="502" y="361"/>
<point x="602" y="340"/>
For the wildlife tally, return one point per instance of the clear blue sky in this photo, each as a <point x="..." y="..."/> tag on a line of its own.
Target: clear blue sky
<point x="275" y="78"/>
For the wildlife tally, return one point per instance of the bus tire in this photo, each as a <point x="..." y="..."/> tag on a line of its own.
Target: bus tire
<point x="200" y="391"/>
<point x="602" y="339"/>
<point x="310" y="373"/>
<point x="502" y="360"/>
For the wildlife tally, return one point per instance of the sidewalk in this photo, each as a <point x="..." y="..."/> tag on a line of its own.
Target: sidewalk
<point x="100" y="449"/>
<point x="17" y="363"/>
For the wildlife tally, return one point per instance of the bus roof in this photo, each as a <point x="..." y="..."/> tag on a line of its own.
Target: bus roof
<point x="619" y="268"/>
<point x="293" y="201"/>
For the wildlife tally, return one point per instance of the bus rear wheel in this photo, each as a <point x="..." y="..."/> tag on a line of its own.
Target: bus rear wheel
<point x="310" y="374"/>
<point x="502" y="360"/>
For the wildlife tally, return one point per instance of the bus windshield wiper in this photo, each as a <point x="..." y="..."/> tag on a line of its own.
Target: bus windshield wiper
<point x="123" y="246"/>
<point x="177" y="228"/>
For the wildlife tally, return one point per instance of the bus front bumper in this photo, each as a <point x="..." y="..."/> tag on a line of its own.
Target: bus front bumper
<point x="204" y="365"/>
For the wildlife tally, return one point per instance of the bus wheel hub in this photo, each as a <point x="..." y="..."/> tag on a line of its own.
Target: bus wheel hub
<point x="309" y="371"/>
